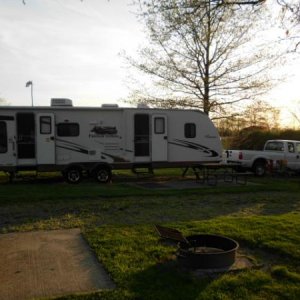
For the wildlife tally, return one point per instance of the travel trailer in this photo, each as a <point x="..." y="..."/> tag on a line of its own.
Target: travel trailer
<point x="92" y="141"/>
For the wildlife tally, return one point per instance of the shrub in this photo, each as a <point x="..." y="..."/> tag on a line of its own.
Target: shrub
<point x="254" y="138"/>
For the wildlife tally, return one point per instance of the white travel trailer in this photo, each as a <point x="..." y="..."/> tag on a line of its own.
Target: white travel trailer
<point x="93" y="141"/>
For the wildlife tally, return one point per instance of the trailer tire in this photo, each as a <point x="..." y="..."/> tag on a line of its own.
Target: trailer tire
<point x="260" y="168"/>
<point x="73" y="175"/>
<point x="103" y="174"/>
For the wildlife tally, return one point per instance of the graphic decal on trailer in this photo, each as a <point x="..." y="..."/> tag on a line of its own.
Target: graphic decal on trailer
<point x="182" y="143"/>
<point x="71" y="146"/>
<point x="106" y="130"/>
<point x="79" y="148"/>
<point x="100" y="130"/>
<point x="116" y="158"/>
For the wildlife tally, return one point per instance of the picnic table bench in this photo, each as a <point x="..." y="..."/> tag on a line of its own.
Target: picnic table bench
<point x="211" y="173"/>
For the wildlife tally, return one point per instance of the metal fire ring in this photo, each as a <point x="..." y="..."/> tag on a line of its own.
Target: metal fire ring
<point x="206" y="251"/>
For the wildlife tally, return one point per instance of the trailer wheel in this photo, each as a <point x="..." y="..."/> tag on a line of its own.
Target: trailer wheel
<point x="103" y="175"/>
<point x="260" y="168"/>
<point x="73" y="175"/>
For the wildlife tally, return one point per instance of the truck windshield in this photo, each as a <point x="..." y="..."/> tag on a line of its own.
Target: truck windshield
<point x="274" y="146"/>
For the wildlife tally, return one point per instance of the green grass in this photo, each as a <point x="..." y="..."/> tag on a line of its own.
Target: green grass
<point x="140" y="264"/>
<point x="55" y="189"/>
<point x="117" y="221"/>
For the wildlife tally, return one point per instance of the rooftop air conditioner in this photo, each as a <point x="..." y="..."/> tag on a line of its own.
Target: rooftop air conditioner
<point x="110" y="105"/>
<point x="61" y="102"/>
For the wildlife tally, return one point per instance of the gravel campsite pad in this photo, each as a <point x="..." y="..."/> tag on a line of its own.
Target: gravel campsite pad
<point x="47" y="264"/>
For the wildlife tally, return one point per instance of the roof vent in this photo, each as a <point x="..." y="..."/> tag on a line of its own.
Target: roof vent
<point x="109" y="105"/>
<point x="142" y="105"/>
<point x="61" y="102"/>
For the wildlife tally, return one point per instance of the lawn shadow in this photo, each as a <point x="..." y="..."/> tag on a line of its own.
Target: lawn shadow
<point x="168" y="281"/>
<point x="50" y="202"/>
<point x="287" y="203"/>
<point x="90" y="211"/>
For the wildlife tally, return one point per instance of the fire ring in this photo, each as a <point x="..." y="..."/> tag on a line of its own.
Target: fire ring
<point x="205" y="251"/>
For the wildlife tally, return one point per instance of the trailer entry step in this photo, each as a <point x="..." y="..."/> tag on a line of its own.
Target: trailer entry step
<point x="142" y="170"/>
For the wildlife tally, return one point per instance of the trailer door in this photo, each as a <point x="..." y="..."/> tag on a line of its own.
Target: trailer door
<point x="45" y="141"/>
<point x="7" y="141"/>
<point x="159" y="138"/>
<point x="142" y="137"/>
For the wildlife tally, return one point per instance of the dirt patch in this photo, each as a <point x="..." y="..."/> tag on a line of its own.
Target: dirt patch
<point x="48" y="264"/>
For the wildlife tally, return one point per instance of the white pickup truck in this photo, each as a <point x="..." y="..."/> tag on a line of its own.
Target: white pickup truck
<point x="275" y="154"/>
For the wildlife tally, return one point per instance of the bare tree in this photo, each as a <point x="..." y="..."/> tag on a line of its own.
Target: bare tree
<point x="289" y="15"/>
<point x="261" y="114"/>
<point x="257" y="115"/>
<point x="295" y="113"/>
<point x="290" y="10"/>
<point x="203" y="56"/>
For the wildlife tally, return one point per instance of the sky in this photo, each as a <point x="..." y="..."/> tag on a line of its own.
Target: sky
<point x="71" y="49"/>
<point x="67" y="48"/>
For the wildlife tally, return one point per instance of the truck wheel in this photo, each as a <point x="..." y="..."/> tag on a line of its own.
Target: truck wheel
<point x="103" y="175"/>
<point x="73" y="175"/>
<point x="260" y="168"/>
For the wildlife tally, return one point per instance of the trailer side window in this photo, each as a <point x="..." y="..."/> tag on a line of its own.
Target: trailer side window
<point x="190" y="130"/>
<point x="3" y="137"/>
<point x="159" y="125"/>
<point x="45" y="125"/>
<point x="68" y="129"/>
<point x="298" y="148"/>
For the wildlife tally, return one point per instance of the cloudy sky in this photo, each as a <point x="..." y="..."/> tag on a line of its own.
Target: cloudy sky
<point x="70" y="49"/>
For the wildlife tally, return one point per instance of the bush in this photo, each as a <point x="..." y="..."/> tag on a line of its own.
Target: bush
<point x="255" y="138"/>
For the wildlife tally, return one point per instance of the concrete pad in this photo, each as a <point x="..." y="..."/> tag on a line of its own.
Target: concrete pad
<point x="47" y="264"/>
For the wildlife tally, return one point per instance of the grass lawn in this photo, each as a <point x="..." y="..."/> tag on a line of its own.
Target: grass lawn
<point x="117" y="221"/>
